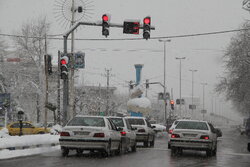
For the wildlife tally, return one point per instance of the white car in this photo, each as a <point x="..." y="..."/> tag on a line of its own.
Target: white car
<point x="127" y="133"/>
<point x="90" y="133"/>
<point x="194" y="135"/>
<point x="144" y="131"/>
<point x="170" y="131"/>
<point x="159" y="128"/>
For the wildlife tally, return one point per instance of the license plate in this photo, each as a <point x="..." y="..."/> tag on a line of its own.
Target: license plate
<point x="81" y="133"/>
<point x="189" y="135"/>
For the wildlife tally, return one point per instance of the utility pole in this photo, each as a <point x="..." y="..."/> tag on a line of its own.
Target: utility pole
<point x="203" y="104"/>
<point x="72" y="63"/>
<point x="58" y="90"/>
<point x="46" y="83"/>
<point x="180" y="58"/>
<point x="164" y="73"/>
<point x="107" y="93"/>
<point x="193" y="71"/>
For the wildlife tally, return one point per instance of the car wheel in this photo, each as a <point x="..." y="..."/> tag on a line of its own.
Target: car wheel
<point x="215" y="150"/>
<point x="119" y="149"/>
<point x="40" y="133"/>
<point x="79" y="151"/>
<point x="107" y="152"/>
<point x="169" y="146"/>
<point x="173" y="151"/>
<point x="65" y="151"/>
<point x="248" y="147"/>
<point x="133" y="148"/>
<point x="209" y="152"/>
<point x="152" y="143"/>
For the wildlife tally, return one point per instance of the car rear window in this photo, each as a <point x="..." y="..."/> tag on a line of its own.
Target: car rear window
<point x="191" y="125"/>
<point x="136" y="121"/>
<point x="87" y="121"/>
<point x="118" y="122"/>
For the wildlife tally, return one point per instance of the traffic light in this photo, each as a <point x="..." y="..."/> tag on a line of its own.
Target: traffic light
<point x="105" y="25"/>
<point x="131" y="27"/>
<point x="49" y="59"/>
<point x="64" y="62"/>
<point x="172" y="104"/>
<point x="147" y="84"/>
<point x="146" y="27"/>
<point x="131" y="85"/>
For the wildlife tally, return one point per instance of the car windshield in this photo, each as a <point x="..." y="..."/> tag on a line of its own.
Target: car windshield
<point x="192" y="125"/>
<point x="118" y="122"/>
<point x="87" y="121"/>
<point x="136" y="121"/>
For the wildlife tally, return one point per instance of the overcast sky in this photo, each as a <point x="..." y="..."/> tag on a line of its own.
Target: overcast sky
<point x="170" y="17"/>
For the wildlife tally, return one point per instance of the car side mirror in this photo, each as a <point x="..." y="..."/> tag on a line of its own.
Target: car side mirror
<point x="153" y="127"/>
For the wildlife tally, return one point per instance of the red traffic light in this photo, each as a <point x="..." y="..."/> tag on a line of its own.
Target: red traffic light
<point x="63" y="61"/>
<point x="146" y="20"/>
<point x="105" y="17"/>
<point x="171" y="101"/>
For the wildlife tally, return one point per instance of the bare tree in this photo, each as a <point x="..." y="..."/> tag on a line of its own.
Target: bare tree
<point x="31" y="48"/>
<point x="236" y="81"/>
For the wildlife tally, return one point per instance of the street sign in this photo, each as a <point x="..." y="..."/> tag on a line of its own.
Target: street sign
<point x="203" y="111"/>
<point x="192" y="106"/>
<point x="161" y="97"/>
<point x="79" y="60"/>
<point x="182" y="101"/>
<point x="131" y="27"/>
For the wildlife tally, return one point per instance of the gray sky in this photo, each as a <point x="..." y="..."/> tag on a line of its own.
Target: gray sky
<point x="170" y="17"/>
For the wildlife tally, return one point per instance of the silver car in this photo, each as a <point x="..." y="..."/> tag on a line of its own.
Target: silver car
<point x="127" y="133"/>
<point x="90" y="133"/>
<point x="144" y="131"/>
<point x="194" y="135"/>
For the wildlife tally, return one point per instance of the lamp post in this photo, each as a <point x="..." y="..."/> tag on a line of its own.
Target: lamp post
<point x="180" y="58"/>
<point x="164" y="82"/>
<point x="193" y="71"/>
<point x="203" y="104"/>
<point x="20" y="119"/>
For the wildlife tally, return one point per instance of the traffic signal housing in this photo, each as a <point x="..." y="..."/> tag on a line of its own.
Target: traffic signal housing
<point x="146" y="27"/>
<point x="172" y="104"/>
<point x="131" y="27"/>
<point x="105" y="24"/>
<point x="147" y="84"/>
<point x="64" y="64"/>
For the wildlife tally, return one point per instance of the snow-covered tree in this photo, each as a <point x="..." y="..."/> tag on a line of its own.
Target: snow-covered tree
<point x="236" y="80"/>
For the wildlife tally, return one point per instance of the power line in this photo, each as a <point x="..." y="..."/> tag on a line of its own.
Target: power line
<point x="124" y="39"/>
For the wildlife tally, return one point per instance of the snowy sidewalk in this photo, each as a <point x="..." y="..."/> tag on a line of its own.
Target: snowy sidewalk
<point x="14" y="146"/>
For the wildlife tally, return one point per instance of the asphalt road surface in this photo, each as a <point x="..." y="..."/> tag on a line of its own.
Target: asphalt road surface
<point x="232" y="152"/>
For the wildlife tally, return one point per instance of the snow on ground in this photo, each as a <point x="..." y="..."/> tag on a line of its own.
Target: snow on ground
<point x="6" y="154"/>
<point x="28" y="140"/>
<point x="43" y="140"/>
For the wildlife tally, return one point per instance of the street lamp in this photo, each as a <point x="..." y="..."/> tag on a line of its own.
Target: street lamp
<point x="192" y="70"/>
<point x="203" y="104"/>
<point x="164" y="84"/>
<point x="180" y="58"/>
<point x="20" y="119"/>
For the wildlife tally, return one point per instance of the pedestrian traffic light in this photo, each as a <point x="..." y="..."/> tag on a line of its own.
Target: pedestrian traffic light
<point x="146" y="27"/>
<point x="105" y="25"/>
<point x="64" y="63"/>
<point x="172" y="104"/>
